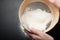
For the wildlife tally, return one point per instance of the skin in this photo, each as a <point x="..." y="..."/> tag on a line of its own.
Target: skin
<point x="38" y="35"/>
<point x="56" y="3"/>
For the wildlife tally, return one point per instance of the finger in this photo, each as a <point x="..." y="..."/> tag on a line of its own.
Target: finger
<point x="56" y="3"/>
<point x="33" y="36"/>
<point x="36" y="37"/>
<point x="27" y="31"/>
<point x="52" y="1"/>
<point x="35" y="31"/>
<point x="48" y="36"/>
<point x="42" y="35"/>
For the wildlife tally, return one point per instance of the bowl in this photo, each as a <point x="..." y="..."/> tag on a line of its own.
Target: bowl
<point x="30" y="5"/>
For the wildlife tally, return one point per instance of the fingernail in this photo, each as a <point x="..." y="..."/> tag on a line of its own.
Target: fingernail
<point x="52" y="1"/>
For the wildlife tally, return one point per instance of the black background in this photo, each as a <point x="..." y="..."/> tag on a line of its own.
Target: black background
<point x="9" y="22"/>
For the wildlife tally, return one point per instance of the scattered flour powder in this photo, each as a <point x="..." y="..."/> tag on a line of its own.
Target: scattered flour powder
<point x="37" y="19"/>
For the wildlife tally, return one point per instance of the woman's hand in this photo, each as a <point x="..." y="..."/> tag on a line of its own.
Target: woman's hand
<point x="38" y="35"/>
<point x="55" y="2"/>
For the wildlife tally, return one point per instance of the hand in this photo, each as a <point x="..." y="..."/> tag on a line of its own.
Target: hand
<point x="38" y="35"/>
<point x="55" y="2"/>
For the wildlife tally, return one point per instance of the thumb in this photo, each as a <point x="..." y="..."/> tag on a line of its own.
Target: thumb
<point x="56" y="3"/>
<point x="52" y="1"/>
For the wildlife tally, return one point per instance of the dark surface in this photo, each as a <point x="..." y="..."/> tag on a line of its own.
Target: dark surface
<point x="9" y="26"/>
<point x="9" y="23"/>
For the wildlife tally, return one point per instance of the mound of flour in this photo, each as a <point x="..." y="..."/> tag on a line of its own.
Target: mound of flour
<point x="37" y="19"/>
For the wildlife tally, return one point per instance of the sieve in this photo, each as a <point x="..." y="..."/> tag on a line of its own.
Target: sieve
<point x="29" y="5"/>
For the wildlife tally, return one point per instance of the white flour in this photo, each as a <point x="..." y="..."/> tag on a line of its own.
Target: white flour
<point x="37" y="19"/>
